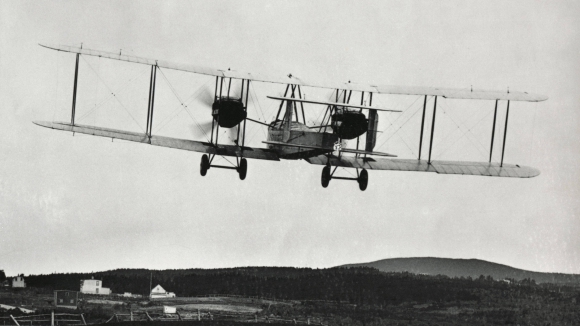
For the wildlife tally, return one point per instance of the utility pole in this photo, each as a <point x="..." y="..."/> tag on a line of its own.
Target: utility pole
<point x="150" y="284"/>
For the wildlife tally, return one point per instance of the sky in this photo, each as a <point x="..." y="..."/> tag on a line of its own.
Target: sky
<point x="81" y="204"/>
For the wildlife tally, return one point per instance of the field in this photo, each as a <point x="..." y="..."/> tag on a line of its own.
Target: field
<point x="238" y="305"/>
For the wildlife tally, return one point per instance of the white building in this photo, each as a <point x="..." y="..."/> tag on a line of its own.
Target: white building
<point x="159" y="292"/>
<point x="131" y="295"/>
<point x="93" y="286"/>
<point x="18" y="281"/>
<point x="169" y="310"/>
<point x="7" y="307"/>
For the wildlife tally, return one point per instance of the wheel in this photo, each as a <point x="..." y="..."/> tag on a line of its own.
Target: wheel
<point x="325" y="178"/>
<point x="243" y="169"/>
<point x="204" y="165"/>
<point x="363" y="180"/>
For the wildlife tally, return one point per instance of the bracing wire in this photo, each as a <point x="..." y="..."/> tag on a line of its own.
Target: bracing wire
<point x="468" y="130"/>
<point x="184" y="106"/>
<point x="531" y="152"/>
<point x="464" y="134"/>
<point x="56" y="91"/>
<point x="255" y="96"/>
<point x="113" y="93"/>
<point x="181" y="107"/>
<point x="118" y="91"/>
<point x="401" y="126"/>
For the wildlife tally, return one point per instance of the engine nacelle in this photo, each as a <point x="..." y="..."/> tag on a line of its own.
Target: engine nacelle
<point x="349" y="124"/>
<point x="228" y="112"/>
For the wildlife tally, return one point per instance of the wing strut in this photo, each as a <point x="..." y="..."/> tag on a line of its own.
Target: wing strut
<point x="505" y="132"/>
<point x="432" y="129"/>
<point x="74" y="101"/>
<point x="282" y="103"/>
<point x="151" y="103"/>
<point x="247" y="93"/>
<point x="493" y="131"/>
<point x="422" y="125"/>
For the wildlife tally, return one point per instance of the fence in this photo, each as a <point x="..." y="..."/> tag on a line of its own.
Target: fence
<point x="199" y="316"/>
<point x="44" y="319"/>
<point x="230" y="296"/>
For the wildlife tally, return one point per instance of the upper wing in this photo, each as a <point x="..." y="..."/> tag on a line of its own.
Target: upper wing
<point x="403" y="90"/>
<point x="184" y="144"/>
<point x="442" y="167"/>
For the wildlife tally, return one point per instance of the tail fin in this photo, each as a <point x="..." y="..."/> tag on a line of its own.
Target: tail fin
<point x="372" y="130"/>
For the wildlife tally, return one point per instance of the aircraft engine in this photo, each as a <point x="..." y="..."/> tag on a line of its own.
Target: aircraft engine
<point x="228" y="112"/>
<point x="349" y="124"/>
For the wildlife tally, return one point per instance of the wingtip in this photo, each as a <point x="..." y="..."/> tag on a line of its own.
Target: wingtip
<point x="45" y="124"/>
<point x="530" y="171"/>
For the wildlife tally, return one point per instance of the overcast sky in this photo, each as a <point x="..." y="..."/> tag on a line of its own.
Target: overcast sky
<point x="81" y="204"/>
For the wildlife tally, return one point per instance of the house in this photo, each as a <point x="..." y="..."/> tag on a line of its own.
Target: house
<point x="66" y="299"/>
<point x="159" y="292"/>
<point x="18" y="281"/>
<point x="93" y="286"/>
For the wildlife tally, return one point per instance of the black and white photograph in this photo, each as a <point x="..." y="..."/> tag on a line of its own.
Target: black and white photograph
<point x="332" y="163"/>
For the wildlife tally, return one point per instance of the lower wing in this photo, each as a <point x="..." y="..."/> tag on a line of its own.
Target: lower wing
<point x="183" y="144"/>
<point x="441" y="167"/>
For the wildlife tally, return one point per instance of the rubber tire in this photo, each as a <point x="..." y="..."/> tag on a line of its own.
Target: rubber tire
<point x="204" y="165"/>
<point x="325" y="177"/>
<point x="243" y="169"/>
<point x="363" y="180"/>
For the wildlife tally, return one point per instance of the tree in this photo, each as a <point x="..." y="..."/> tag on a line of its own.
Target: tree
<point x="2" y="276"/>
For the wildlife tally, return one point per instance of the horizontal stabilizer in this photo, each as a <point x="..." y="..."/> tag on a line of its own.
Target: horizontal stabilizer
<point x="331" y="103"/>
<point x="328" y="149"/>
<point x="183" y="144"/>
<point x="441" y="167"/>
<point x="279" y="143"/>
<point x="356" y="151"/>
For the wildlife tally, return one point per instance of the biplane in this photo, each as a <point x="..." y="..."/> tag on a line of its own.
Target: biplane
<point x="289" y="135"/>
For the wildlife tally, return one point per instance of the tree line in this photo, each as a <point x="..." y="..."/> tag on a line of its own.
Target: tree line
<point x="356" y="285"/>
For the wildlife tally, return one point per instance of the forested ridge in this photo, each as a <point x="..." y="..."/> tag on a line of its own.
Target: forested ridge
<point x="466" y="268"/>
<point x="357" y="285"/>
<point x="355" y="296"/>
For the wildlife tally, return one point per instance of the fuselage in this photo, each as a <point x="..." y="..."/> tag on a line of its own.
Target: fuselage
<point x="299" y="134"/>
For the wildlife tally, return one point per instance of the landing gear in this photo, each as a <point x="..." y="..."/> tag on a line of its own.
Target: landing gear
<point x="204" y="165"/>
<point x="242" y="169"/>
<point x="325" y="178"/>
<point x="363" y="180"/>
<point x="327" y="175"/>
<point x="228" y="112"/>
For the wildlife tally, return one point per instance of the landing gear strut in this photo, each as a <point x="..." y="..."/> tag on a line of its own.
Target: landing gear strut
<point x="327" y="175"/>
<point x="205" y="165"/>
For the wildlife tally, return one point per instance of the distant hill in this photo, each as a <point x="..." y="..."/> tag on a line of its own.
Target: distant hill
<point x="465" y="267"/>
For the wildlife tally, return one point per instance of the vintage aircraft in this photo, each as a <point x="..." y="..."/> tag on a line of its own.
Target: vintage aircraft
<point x="290" y="137"/>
